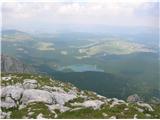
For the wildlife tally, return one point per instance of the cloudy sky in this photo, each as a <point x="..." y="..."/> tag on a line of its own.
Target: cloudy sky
<point x="78" y="15"/>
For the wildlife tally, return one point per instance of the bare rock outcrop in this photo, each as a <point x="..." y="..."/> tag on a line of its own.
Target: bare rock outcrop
<point x="133" y="98"/>
<point x="12" y="65"/>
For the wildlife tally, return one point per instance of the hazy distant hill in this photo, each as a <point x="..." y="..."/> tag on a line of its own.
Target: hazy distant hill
<point x="11" y="32"/>
<point x="15" y="35"/>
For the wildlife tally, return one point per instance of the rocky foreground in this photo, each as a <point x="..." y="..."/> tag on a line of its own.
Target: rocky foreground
<point x="34" y="96"/>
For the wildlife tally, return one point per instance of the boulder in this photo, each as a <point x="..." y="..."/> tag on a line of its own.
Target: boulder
<point x="13" y="92"/>
<point x="61" y="108"/>
<point x="126" y="109"/>
<point x="40" y="116"/>
<point x="95" y="104"/>
<point x="3" y="115"/>
<point x="50" y="89"/>
<point x="61" y="98"/>
<point x="133" y="98"/>
<point x="115" y="102"/>
<point x="140" y="110"/>
<point x="104" y="114"/>
<point x="10" y="96"/>
<point x="34" y="95"/>
<point x="30" y="83"/>
<point x="8" y="105"/>
<point x="6" y="78"/>
<point x="135" y="116"/>
<point x="145" y="105"/>
<point x="147" y="115"/>
<point x="112" y="117"/>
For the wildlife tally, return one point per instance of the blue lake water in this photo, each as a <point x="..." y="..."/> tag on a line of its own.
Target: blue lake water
<point x="81" y="68"/>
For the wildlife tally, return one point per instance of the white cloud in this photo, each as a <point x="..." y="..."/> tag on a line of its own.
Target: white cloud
<point x="106" y="13"/>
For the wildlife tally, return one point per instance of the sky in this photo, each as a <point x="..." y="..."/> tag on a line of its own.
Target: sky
<point x="78" y="15"/>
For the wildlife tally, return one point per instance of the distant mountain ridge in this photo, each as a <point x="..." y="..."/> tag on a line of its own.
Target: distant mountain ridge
<point x="12" y="35"/>
<point x="11" y="31"/>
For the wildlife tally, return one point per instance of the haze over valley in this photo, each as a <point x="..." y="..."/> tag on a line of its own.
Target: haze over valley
<point x="71" y="54"/>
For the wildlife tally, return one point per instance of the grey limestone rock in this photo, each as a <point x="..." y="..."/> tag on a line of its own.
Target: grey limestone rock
<point x="30" y="84"/>
<point x="133" y="98"/>
<point x="32" y="95"/>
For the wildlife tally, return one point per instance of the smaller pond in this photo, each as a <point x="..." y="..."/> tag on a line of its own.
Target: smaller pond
<point x="81" y="68"/>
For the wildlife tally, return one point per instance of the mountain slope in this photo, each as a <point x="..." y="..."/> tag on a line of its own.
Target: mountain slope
<point x="110" y="85"/>
<point x="35" y="96"/>
<point x="107" y="84"/>
<point x="12" y="65"/>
